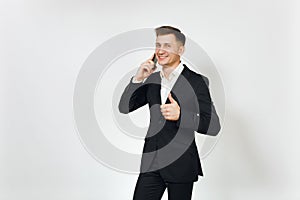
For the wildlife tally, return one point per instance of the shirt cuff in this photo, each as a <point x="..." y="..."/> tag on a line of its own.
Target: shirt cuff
<point x="136" y="81"/>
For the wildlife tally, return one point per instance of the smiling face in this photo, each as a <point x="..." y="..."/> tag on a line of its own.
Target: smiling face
<point x="168" y="50"/>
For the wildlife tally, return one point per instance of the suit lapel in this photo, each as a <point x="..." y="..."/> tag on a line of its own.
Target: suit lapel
<point x="155" y="89"/>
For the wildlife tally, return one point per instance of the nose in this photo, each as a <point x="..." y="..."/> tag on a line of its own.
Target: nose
<point x="160" y="50"/>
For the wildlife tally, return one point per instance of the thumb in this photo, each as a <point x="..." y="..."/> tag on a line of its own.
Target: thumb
<point x="171" y="98"/>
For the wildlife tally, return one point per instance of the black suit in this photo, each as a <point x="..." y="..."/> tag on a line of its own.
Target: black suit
<point x="168" y="140"/>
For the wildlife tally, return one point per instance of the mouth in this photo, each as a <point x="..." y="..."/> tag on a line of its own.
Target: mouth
<point x="162" y="57"/>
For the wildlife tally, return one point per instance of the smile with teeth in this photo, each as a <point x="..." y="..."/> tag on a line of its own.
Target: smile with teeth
<point x="162" y="57"/>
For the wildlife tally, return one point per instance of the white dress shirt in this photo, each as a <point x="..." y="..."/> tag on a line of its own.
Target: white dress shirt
<point x="166" y="83"/>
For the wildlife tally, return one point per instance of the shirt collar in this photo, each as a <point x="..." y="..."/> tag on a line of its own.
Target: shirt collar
<point x="175" y="72"/>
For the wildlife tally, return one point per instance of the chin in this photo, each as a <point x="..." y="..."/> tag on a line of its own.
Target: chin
<point x="163" y="63"/>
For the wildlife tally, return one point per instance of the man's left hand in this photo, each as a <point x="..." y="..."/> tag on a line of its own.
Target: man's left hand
<point x="170" y="111"/>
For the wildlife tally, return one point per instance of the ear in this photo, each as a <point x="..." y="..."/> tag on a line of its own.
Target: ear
<point x="181" y="50"/>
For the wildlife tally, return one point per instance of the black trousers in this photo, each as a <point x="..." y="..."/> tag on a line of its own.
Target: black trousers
<point x="151" y="186"/>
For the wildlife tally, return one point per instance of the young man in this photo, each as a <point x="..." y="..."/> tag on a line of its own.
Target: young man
<point x="180" y="104"/>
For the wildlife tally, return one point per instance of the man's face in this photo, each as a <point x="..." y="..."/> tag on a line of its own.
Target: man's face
<point x="168" y="50"/>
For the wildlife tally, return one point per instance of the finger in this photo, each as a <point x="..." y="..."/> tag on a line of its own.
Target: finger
<point x="150" y="65"/>
<point x="150" y="62"/>
<point x="147" y="68"/>
<point x="165" y="109"/>
<point x="169" y="118"/>
<point x="163" y="106"/>
<point x="172" y="100"/>
<point x="166" y="114"/>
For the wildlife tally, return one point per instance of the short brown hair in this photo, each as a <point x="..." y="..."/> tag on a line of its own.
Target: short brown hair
<point x="165" y="30"/>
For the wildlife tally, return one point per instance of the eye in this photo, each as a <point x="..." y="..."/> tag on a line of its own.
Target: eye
<point x="157" y="45"/>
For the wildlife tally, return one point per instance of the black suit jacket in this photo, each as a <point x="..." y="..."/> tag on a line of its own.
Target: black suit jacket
<point x="170" y="145"/>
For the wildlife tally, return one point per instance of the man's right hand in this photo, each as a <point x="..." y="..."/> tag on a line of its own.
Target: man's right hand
<point x="145" y="70"/>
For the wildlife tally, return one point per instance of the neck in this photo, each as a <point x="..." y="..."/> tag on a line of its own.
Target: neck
<point x="167" y="70"/>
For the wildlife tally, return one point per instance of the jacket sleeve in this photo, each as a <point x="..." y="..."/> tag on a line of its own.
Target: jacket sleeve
<point x="203" y="120"/>
<point x="133" y="97"/>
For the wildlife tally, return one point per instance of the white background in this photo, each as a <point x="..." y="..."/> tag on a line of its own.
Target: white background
<point x="254" y="45"/>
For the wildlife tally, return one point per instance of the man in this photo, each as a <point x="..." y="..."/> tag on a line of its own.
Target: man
<point x="180" y="104"/>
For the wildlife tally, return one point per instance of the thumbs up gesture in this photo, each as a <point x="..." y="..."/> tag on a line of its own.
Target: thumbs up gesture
<point x="170" y="111"/>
